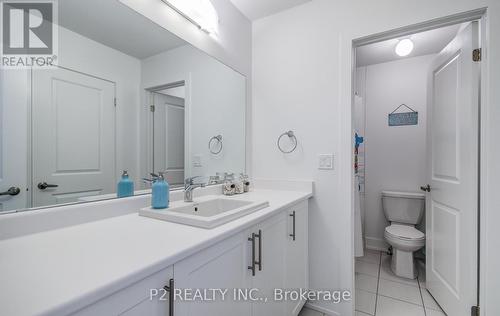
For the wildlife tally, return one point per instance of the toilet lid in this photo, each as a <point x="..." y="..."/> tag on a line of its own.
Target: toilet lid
<point x="405" y="232"/>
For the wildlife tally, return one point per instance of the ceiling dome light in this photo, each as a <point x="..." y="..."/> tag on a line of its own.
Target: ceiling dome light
<point x="202" y="13"/>
<point x="404" y="47"/>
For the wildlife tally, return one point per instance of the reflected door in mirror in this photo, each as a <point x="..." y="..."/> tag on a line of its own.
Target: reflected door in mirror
<point x="73" y="136"/>
<point x="168" y="135"/>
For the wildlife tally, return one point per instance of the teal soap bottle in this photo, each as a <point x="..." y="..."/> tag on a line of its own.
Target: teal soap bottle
<point x="160" y="193"/>
<point x="125" y="186"/>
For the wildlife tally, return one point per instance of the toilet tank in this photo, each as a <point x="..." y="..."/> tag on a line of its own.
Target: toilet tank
<point x="403" y="207"/>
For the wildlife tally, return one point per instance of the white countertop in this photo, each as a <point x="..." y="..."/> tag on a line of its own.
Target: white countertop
<point x="63" y="270"/>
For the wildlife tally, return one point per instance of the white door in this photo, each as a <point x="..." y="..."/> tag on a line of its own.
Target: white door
<point x="297" y="263"/>
<point x="14" y="104"/>
<point x="223" y="266"/>
<point x="271" y="274"/>
<point x="169" y="116"/>
<point x="452" y="204"/>
<point x="73" y="136"/>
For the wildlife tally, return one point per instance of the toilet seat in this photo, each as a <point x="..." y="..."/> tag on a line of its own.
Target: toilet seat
<point x="404" y="232"/>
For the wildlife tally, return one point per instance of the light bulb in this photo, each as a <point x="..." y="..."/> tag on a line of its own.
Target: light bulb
<point x="404" y="47"/>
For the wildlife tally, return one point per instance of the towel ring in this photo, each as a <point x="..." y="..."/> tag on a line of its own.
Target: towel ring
<point x="292" y="137"/>
<point x="217" y="138"/>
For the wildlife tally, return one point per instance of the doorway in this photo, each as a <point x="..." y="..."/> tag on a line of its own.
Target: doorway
<point x="167" y="130"/>
<point x="425" y="146"/>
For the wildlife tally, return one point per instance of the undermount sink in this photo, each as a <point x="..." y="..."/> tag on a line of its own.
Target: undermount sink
<point x="206" y="211"/>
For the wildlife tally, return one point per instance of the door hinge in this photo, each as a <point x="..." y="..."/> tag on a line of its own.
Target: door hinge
<point x="474" y="311"/>
<point x="152" y="108"/>
<point x="114" y="101"/>
<point x="476" y="54"/>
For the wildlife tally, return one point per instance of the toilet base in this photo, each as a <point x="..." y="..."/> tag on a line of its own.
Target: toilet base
<point x="403" y="265"/>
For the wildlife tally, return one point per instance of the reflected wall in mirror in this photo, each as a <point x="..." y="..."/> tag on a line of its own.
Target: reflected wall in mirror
<point x="126" y="95"/>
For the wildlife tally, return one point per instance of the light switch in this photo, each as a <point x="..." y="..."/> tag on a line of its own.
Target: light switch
<point x="325" y="162"/>
<point x="197" y="161"/>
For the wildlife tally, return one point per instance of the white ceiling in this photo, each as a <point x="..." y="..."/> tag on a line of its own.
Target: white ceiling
<point x="113" y="24"/>
<point x="429" y="42"/>
<point x="256" y="9"/>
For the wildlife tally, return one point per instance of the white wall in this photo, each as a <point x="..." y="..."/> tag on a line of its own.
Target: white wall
<point x="215" y="104"/>
<point x="395" y="155"/>
<point x="302" y="78"/>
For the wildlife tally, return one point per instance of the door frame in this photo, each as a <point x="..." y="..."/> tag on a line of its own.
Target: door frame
<point x="148" y="95"/>
<point x="479" y="15"/>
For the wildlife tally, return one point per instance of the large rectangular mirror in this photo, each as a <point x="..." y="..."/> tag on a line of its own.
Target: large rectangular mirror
<point x="126" y="94"/>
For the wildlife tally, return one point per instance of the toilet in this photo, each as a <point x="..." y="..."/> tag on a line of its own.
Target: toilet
<point x="404" y="210"/>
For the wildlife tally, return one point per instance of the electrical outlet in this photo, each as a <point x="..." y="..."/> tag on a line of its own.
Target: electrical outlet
<point x="325" y="162"/>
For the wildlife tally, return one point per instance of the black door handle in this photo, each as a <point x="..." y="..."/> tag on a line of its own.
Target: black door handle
<point x="426" y="188"/>
<point x="170" y="289"/>
<point x="259" y="235"/>
<point x="293" y="218"/>
<point x="252" y="267"/>
<point x="12" y="191"/>
<point x="45" y="185"/>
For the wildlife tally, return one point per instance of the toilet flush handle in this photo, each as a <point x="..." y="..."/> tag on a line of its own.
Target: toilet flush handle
<point x="426" y="188"/>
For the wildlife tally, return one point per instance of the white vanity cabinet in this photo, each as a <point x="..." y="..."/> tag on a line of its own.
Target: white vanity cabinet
<point x="267" y="256"/>
<point x="223" y="266"/>
<point x="270" y="248"/>
<point x="253" y="259"/>
<point x="136" y="300"/>
<point x="297" y="255"/>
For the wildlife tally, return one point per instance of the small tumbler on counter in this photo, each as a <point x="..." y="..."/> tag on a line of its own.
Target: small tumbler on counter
<point x="246" y="182"/>
<point x="229" y="188"/>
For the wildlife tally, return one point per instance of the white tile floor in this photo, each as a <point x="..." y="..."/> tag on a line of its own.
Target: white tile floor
<point x="381" y="293"/>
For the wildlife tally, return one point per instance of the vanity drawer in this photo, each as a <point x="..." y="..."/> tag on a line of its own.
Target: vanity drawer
<point x="135" y="299"/>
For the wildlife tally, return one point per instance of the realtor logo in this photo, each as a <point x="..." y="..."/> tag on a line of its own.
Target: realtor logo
<point x="29" y="33"/>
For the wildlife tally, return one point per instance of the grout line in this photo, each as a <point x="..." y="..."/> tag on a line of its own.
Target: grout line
<point x="367" y="313"/>
<point x="401" y="300"/>
<point x="421" y="296"/>
<point x="378" y="280"/>
<point x="401" y="282"/>
<point x="367" y="275"/>
<point x="439" y="309"/>
<point x="360" y="259"/>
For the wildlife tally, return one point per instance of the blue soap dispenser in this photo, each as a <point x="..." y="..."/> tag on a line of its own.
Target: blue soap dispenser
<point x="125" y="186"/>
<point x="160" y="192"/>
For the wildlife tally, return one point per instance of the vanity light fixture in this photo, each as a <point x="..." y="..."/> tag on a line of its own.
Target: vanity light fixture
<point x="201" y="13"/>
<point x="404" y="47"/>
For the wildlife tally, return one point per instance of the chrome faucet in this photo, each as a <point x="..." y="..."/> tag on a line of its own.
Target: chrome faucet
<point x="154" y="177"/>
<point x="189" y="187"/>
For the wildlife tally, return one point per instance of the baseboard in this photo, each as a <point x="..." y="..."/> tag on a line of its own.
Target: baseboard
<point x="321" y="309"/>
<point x="378" y="244"/>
